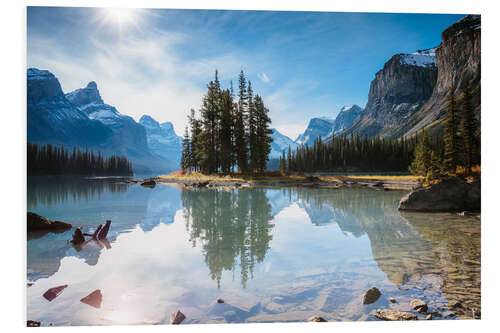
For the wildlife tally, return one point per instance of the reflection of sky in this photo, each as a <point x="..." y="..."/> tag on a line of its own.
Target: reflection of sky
<point x="153" y="269"/>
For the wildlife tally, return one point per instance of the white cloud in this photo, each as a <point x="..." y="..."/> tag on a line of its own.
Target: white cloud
<point x="137" y="76"/>
<point x="264" y="77"/>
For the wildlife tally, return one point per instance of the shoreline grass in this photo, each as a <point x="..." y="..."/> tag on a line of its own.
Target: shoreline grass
<point x="278" y="176"/>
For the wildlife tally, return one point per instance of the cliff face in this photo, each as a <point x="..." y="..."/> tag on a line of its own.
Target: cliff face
<point x="397" y="92"/>
<point x="458" y="60"/>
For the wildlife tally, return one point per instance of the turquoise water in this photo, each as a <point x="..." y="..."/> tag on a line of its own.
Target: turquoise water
<point x="271" y="254"/>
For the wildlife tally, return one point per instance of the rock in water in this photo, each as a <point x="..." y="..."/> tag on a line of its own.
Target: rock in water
<point x="149" y="183"/>
<point x="93" y="299"/>
<point x="177" y="317"/>
<point x="451" y="194"/>
<point x="40" y="223"/>
<point x="392" y="300"/>
<point x="52" y="293"/>
<point x="371" y="295"/>
<point x="429" y="317"/>
<point x="220" y="300"/>
<point x="418" y="305"/>
<point x="393" y="315"/>
<point x="32" y="323"/>
<point x="317" y="319"/>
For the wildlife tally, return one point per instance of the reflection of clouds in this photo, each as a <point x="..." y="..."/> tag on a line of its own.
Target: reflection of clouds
<point x="136" y="276"/>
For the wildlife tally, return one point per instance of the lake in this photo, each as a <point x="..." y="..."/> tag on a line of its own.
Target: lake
<point x="272" y="254"/>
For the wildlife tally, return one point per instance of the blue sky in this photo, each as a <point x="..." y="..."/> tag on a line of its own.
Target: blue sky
<point x="158" y="61"/>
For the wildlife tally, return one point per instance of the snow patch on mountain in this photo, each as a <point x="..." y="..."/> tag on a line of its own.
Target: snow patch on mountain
<point x="280" y="144"/>
<point x="162" y="139"/>
<point x="420" y="58"/>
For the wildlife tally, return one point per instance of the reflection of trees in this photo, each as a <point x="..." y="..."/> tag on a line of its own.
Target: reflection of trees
<point x="231" y="226"/>
<point x="49" y="191"/>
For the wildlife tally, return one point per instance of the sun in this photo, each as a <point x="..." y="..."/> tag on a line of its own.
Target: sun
<point x="120" y="17"/>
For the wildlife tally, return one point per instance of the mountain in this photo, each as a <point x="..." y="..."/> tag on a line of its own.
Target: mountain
<point x="345" y="119"/>
<point x="129" y="137"/>
<point x="51" y="118"/>
<point x="162" y="140"/>
<point x="280" y="143"/>
<point x="458" y="59"/>
<point x="409" y="93"/>
<point x="82" y="119"/>
<point x="318" y="127"/>
<point x="397" y="92"/>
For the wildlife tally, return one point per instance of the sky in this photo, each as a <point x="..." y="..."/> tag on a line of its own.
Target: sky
<point x="159" y="61"/>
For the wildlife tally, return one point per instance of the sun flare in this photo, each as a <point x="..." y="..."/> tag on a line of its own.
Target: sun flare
<point x="120" y="17"/>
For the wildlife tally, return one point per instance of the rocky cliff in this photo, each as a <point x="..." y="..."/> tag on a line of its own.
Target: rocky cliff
<point x="397" y="92"/>
<point x="51" y="118"/>
<point x="458" y="60"/>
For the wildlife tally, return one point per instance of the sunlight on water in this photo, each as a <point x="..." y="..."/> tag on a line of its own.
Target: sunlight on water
<point x="270" y="254"/>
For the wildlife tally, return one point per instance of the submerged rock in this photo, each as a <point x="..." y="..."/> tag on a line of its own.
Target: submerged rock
<point x="451" y="194"/>
<point x="37" y="223"/>
<point x="392" y="300"/>
<point x="177" y="317"/>
<point x="317" y="319"/>
<point x="32" y="323"/>
<point x="52" y="293"/>
<point x="371" y="295"/>
<point x="394" y="315"/>
<point x="93" y="299"/>
<point x="418" y="305"/>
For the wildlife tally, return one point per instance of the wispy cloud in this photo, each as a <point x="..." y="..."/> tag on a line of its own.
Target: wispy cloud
<point x="263" y="77"/>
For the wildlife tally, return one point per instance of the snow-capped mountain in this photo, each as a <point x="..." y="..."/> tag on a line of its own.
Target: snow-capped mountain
<point x="128" y="138"/>
<point x="280" y="143"/>
<point x="421" y="58"/>
<point x="344" y="119"/>
<point x="162" y="139"/>
<point x="82" y="119"/>
<point x="51" y="118"/>
<point x="318" y="127"/>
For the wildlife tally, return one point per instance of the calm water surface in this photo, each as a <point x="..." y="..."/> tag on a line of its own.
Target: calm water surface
<point x="272" y="254"/>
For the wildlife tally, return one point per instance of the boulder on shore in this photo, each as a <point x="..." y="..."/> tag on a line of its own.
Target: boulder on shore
<point x="393" y="315"/>
<point x="371" y="295"/>
<point x="451" y="194"/>
<point x="40" y="223"/>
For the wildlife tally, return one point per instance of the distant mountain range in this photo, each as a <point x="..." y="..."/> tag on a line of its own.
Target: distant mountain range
<point x="82" y="119"/>
<point x="406" y="95"/>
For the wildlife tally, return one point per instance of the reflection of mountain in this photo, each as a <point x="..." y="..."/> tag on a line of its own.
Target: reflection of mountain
<point x="85" y="204"/>
<point x="162" y="205"/>
<point x="231" y="226"/>
<point x="407" y="246"/>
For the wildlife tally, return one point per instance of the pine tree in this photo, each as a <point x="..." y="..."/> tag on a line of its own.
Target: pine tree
<point x="471" y="151"/>
<point x="451" y="137"/>
<point x="186" y="151"/>
<point x="422" y="160"/>
<point x="262" y="141"/>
